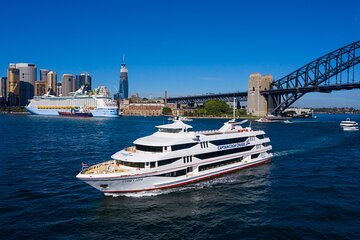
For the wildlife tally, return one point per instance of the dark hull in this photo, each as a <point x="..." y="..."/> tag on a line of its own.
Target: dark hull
<point x="76" y="114"/>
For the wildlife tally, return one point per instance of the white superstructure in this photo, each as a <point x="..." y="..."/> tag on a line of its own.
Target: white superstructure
<point x="175" y="155"/>
<point x="99" y="103"/>
<point x="349" y="125"/>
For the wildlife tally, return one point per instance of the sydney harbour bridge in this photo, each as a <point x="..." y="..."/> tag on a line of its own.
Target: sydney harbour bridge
<point x="334" y="71"/>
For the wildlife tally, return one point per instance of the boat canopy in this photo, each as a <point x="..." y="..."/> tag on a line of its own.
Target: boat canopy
<point x="176" y="126"/>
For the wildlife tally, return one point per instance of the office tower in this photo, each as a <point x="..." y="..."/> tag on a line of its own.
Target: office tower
<point x="59" y="89"/>
<point x="43" y="74"/>
<point x="124" y="84"/>
<point x="13" y="86"/>
<point x="84" y="80"/>
<point x="40" y="88"/>
<point x="67" y="84"/>
<point x="26" y="84"/>
<point x="3" y="90"/>
<point x="3" y="87"/>
<point x="51" y="83"/>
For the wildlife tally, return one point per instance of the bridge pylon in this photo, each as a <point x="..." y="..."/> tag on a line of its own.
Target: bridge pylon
<point x="257" y="104"/>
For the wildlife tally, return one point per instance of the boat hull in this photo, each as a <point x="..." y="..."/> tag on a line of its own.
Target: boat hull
<point x="139" y="183"/>
<point x="76" y="114"/>
<point x="99" y="112"/>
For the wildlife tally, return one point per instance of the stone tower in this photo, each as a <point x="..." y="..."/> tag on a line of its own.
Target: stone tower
<point x="257" y="104"/>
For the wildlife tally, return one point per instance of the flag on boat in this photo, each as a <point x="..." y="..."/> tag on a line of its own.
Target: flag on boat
<point x="84" y="165"/>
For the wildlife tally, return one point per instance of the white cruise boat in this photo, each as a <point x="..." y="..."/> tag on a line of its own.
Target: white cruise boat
<point x="175" y="156"/>
<point x="99" y="104"/>
<point x="349" y="125"/>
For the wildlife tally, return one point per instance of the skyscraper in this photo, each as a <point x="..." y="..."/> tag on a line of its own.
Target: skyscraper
<point x="3" y="87"/>
<point x="124" y="84"/>
<point x="59" y="89"/>
<point x="3" y="90"/>
<point x="51" y="83"/>
<point x="13" y="86"/>
<point x="40" y="88"/>
<point x="43" y="74"/>
<point x="84" y="80"/>
<point x="68" y="84"/>
<point x="27" y="77"/>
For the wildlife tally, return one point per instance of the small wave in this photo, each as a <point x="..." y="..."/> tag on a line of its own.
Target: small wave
<point x="287" y="152"/>
<point x="153" y="193"/>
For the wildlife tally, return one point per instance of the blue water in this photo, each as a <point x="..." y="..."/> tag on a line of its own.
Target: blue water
<point x="311" y="189"/>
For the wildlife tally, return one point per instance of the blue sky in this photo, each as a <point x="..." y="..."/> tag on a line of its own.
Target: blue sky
<point x="185" y="47"/>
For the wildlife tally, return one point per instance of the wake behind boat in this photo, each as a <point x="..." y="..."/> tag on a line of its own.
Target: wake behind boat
<point x="175" y="156"/>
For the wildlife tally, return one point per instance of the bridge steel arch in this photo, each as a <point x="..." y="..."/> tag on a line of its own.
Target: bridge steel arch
<point x="324" y="74"/>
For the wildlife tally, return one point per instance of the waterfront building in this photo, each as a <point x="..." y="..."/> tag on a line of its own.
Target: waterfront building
<point x="43" y="74"/>
<point x="68" y="82"/>
<point x="51" y="83"/>
<point x="124" y="83"/>
<point x="26" y="81"/>
<point x="84" y="80"/>
<point x="144" y="108"/>
<point x="3" y="87"/>
<point x="3" y="90"/>
<point x="40" y="88"/>
<point x="58" y="89"/>
<point x="13" y="86"/>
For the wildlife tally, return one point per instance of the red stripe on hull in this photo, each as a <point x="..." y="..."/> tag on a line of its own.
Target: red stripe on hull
<point x="192" y="181"/>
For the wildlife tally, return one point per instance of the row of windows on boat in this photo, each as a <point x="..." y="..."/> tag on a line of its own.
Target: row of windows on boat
<point x="189" y="145"/>
<point x="188" y="159"/>
<point x="206" y="166"/>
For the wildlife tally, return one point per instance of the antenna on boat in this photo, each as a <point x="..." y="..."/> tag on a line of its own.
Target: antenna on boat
<point x="234" y="109"/>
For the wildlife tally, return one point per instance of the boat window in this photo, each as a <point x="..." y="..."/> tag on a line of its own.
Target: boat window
<point x="167" y="161"/>
<point x="152" y="164"/>
<point x="182" y="146"/>
<point x="255" y="155"/>
<point x="219" y="164"/>
<point x="224" y="152"/>
<point x="228" y="141"/>
<point x="170" y="130"/>
<point x="260" y="136"/>
<point x="173" y="174"/>
<point x="133" y="164"/>
<point x="148" y="148"/>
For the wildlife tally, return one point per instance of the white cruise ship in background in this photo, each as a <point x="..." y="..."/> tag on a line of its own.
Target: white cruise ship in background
<point x="99" y="104"/>
<point x="175" y="156"/>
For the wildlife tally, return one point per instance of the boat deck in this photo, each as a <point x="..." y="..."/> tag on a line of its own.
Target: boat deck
<point x="105" y="168"/>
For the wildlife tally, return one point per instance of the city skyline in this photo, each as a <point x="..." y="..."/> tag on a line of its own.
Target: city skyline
<point x="187" y="47"/>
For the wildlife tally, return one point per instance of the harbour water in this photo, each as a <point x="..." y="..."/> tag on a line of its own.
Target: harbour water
<point x="311" y="189"/>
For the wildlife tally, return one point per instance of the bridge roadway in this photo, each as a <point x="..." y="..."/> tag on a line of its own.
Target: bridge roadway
<point x="240" y="96"/>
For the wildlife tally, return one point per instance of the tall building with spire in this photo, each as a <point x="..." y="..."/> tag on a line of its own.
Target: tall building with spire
<point x="124" y="83"/>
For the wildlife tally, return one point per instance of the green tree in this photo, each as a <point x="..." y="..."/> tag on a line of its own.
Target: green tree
<point x="166" y="111"/>
<point x="217" y="108"/>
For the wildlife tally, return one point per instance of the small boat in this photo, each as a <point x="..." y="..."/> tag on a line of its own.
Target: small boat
<point x="184" y="119"/>
<point x="82" y="112"/>
<point x="287" y="121"/>
<point x="349" y="125"/>
<point x="264" y="120"/>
